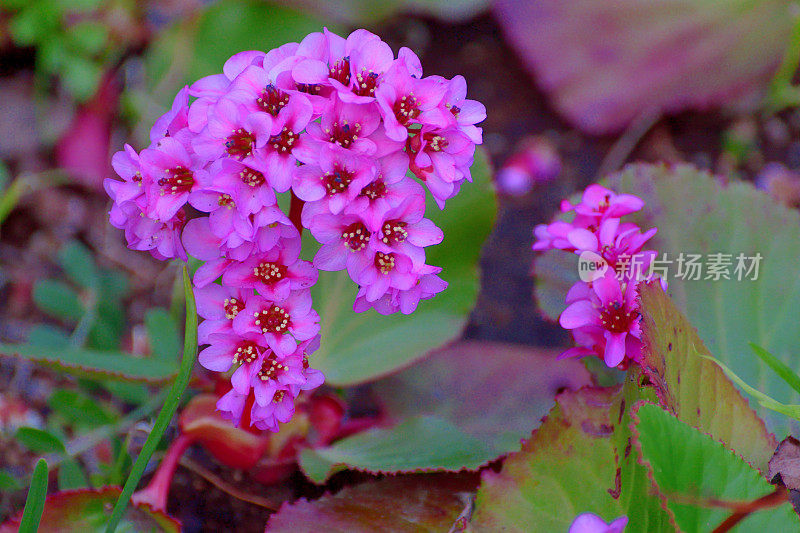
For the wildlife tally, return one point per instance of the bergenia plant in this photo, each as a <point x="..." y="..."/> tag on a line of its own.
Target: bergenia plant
<point x="602" y="312"/>
<point x="336" y="124"/>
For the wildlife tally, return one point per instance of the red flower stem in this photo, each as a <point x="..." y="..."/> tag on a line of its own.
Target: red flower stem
<point x="156" y="492"/>
<point x="295" y="210"/>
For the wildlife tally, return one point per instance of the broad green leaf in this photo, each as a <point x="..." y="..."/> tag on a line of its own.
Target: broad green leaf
<point x="87" y="511"/>
<point x="494" y="392"/>
<point x="79" y="409"/>
<point x="693" y="388"/>
<point x="70" y="475"/>
<point x="696" y="214"/>
<point x="113" y="285"/>
<point x="34" y="505"/>
<point x="34" y="22"/>
<point x="162" y="335"/>
<point x="402" y="504"/>
<point x="94" y="363"/>
<point x="78" y="263"/>
<point x="359" y="347"/>
<point x="87" y="37"/>
<point x="58" y="299"/>
<point x="39" y="441"/>
<point x="48" y="336"/>
<point x="566" y="468"/>
<point x="691" y="470"/>
<point x="421" y="444"/>
<point x="81" y="76"/>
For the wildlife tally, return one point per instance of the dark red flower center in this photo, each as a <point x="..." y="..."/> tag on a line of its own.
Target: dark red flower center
<point x="340" y="71"/>
<point x="343" y="134"/>
<point x="278" y="396"/>
<point x="252" y="177"/>
<point x="274" y="319"/>
<point x="240" y="143"/>
<point x="246" y="352"/>
<point x="272" y="100"/>
<point x="337" y="181"/>
<point x="225" y="200"/>
<point x="270" y="273"/>
<point x="384" y="262"/>
<point x="283" y="141"/>
<point x="393" y="232"/>
<point x="356" y="236"/>
<point x="616" y="319"/>
<point x="405" y="109"/>
<point x="375" y="190"/>
<point x="232" y="306"/>
<point x="435" y="142"/>
<point x="178" y="180"/>
<point x="366" y="82"/>
<point x="271" y="368"/>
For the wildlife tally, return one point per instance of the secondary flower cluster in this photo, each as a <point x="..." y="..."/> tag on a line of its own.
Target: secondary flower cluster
<point x="336" y="122"/>
<point x="602" y="309"/>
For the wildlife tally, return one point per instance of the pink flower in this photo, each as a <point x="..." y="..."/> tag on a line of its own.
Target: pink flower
<point x="281" y="322"/>
<point x="591" y="523"/>
<point x="279" y="409"/>
<point x="403" y="230"/>
<point x="249" y="186"/>
<point x="169" y="170"/>
<point x="219" y="305"/>
<point x="336" y="182"/>
<point x="346" y="125"/>
<point x="231" y="406"/>
<point x="442" y="160"/>
<point x="612" y="307"/>
<point x="599" y="202"/>
<point x="427" y="285"/>
<point x="272" y="274"/>
<point x="228" y="349"/>
<point x="406" y="101"/>
<point x="343" y="237"/>
<point x="127" y="165"/>
<point x="277" y="374"/>
<point x="466" y="113"/>
<point x="234" y="132"/>
<point x="287" y="143"/>
<point x="174" y="120"/>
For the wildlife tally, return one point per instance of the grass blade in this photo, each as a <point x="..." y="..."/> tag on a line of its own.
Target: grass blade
<point x="170" y="406"/>
<point x="34" y="505"/>
<point x="778" y="366"/>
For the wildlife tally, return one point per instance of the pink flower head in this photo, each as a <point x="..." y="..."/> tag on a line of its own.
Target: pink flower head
<point x="161" y="239"/>
<point x="219" y="305"/>
<point x="248" y="186"/>
<point x="228" y="349"/>
<point x="598" y="202"/>
<point x="442" y="161"/>
<point x="427" y="285"/>
<point x="357" y="73"/>
<point x="591" y="523"/>
<point x="287" y="143"/>
<point x="343" y="238"/>
<point x="277" y="374"/>
<point x="279" y="321"/>
<point x="127" y="165"/>
<point x="174" y="120"/>
<point x="273" y="274"/>
<point x="234" y="132"/>
<point x="465" y="113"/>
<point x="169" y="170"/>
<point x="348" y="126"/>
<point x="611" y="240"/>
<point x="406" y="101"/>
<point x="279" y="410"/>
<point x="231" y="406"/>
<point x="404" y="231"/>
<point x="378" y="272"/>
<point x="337" y="181"/>
<point x="612" y="307"/>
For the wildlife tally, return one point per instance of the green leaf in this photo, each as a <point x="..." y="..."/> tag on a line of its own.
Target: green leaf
<point x="691" y="469"/>
<point x="167" y="411"/>
<point x="48" y="336"/>
<point x="693" y="388"/>
<point x="792" y="411"/>
<point x="779" y="367"/>
<point x="566" y="468"/>
<point x="398" y="503"/>
<point x="87" y="37"/>
<point x="58" y="300"/>
<point x="113" y="285"/>
<point x="39" y="441"/>
<point x="420" y="444"/>
<point x="8" y="483"/>
<point x="162" y="335"/>
<point x="94" y="363"/>
<point x="70" y="475"/>
<point x="78" y="263"/>
<point x="695" y="214"/>
<point x="81" y="76"/>
<point x="470" y="385"/>
<point x="88" y="510"/>
<point x="36" y="21"/>
<point x="359" y="347"/>
<point x="34" y="505"/>
<point x="79" y="409"/>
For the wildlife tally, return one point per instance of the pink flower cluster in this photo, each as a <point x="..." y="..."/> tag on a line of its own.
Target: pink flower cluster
<point x="602" y="311"/>
<point x="336" y="122"/>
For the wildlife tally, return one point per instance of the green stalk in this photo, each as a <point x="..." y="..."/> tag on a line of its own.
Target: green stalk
<point x="34" y="505"/>
<point x="170" y="406"/>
